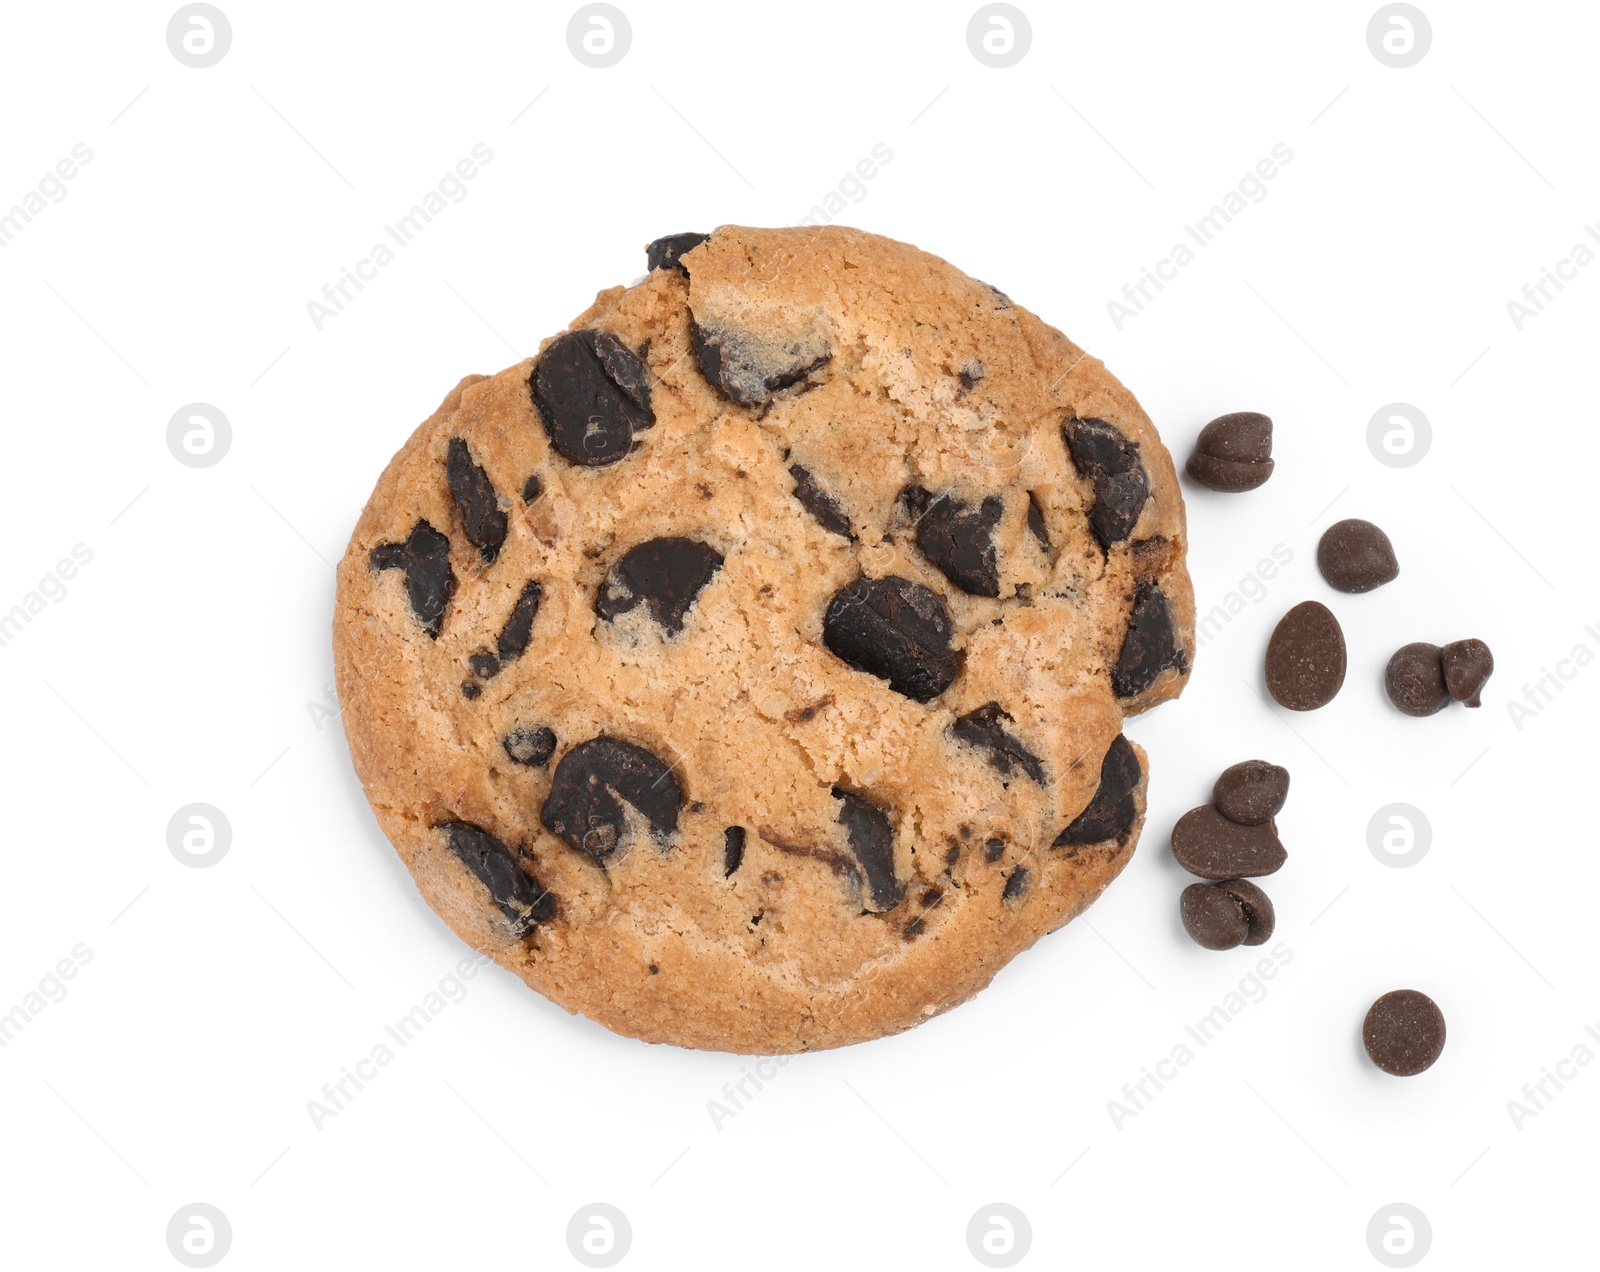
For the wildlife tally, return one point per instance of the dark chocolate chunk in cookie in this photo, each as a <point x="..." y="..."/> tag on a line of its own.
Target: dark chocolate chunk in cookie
<point x="1403" y="1032"/>
<point x="819" y="503"/>
<point x="871" y="838"/>
<point x="1207" y="844"/>
<point x="516" y="892"/>
<point x="667" y="252"/>
<point x="593" y="396"/>
<point x="484" y="665"/>
<point x="1306" y="658"/>
<point x="1111" y="463"/>
<point x="1468" y="664"/>
<point x="518" y="631"/>
<point x="1251" y="792"/>
<point x="1016" y="883"/>
<point x="476" y="501"/>
<point x="666" y="574"/>
<point x="957" y="538"/>
<point x="748" y="369"/>
<point x="430" y="582"/>
<point x="532" y="489"/>
<point x="530" y="746"/>
<point x="1233" y="452"/>
<point x="1414" y="679"/>
<point x="1356" y="556"/>
<point x="1036" y="526"/>
<point x="896" y="630"/>
<point x="592" y="784"/>
<point x="985" y="729"/>
<point x="1112" y="811"/>
<point x="732" y="849"/>
<point x="1150" y="645"/>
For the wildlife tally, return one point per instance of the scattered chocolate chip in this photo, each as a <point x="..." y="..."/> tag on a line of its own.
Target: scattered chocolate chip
<point x="953" y="855"/>
<point x="994" y="849"/>
<point x="1468" y="664"/>
<point x="1414" y="679"/>
<point x="1112" y="812"/>
<point x="667" y="252"/>
<point x="1356" y="556"/>
<point x="819" y="503"/>
<point x="532" y="490"/>
<point x="593" y="396"/>
<point x="1305" y="658"/>
<point x="516" y="892"/>
<point x="1207" y="844"/>
<point x="1150" y="645"/>
<point x="957" y="538"/>
<point x="932" y="897"/>
<point x="470" y="689"/>
<point x="1016" y="883"/>
<point x="896" y="630"/>
<point x="1213" y="916"/>
<point x="514" y="636"/>
<point x="732" y="849"/>
<point x="913" y="928"/>
<point x="590" y="785"/>
<point x="1233" y="452"/>
<point x="666" y="574"/>
<point x="747" y="369"/>
<point x="971" y="372"/>
<point x="530" y="746"/>
<point x="1036" y="526"/>
<point x="1251" y="792"/>
<point x="1111" y="463"/>
<point x="871" y="838"/>
<point x="484" y="664"/>
<point x="654" y="970"/>
<point x="430" y="582"/>
<point x="1403" y="1032"/>
<point x="476" y="500"/>
<point x="983" y="729"/>
<point x="1257" y="907"/>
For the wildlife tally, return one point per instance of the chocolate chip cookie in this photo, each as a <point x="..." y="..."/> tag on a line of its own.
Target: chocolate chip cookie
<point x="746" y="670"/>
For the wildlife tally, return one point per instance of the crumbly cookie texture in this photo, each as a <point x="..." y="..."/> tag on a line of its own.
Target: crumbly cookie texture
<point x="747" y="670"/>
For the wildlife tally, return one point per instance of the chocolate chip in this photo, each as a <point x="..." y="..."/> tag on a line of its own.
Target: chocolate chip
<point x="932" y="897"/>
<point x="1468" y="664"/>
<point x="819" y="503"/>
<point x="514" y="636"/>
<point x="913" y="928"/>
<point x="476" y="501"/>
<point x="1036" y="526"/>
<point x="592" y="395"/>
<point x="994" y="849"/>
<point x="1403" y="1032"/>
<point x="666" y="574"/>
<point x="1111" y="463"/>
<point x="532" y="490"/>
<point x="983" y="729"/>
<point x="871" y="838"/>
<point x="1213" y="916"/>
<point x="1150" y="645"/>
<point x="1233" y="452"/>
<point x="470" y="689"/>
<point x="970" y="373"/>
<point x="430" y="582"/>
<point x="957" y="538"/>
<point x="1305" y="658"/>
<point x="1207" y="844"/>
<point x="590" y="786"/>
<point x="484" y="664"/>
<point x="1356" y="556"/>
<point x="1251" y="792"/>
<point x="896" y="630"/>
<point x="530" y="746"/>
<point x="667" y="252"/>
<point x="516" y="892"/>
<point x="1257" y="907"/>
<point x="1414" y="679"/>
<point x="1016" y="883"/>
<point x="732" y="849"/>
<point x="747" y="369"/>
<point x="1112" y="812"/>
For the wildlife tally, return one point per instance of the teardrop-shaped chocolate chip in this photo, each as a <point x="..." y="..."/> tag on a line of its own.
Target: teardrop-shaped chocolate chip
<point x="593" y="396"/>
<point x="476" y="500"/>
<point x="1468" y="664"/>
<point x="1112" y="812"/>
<point x="896" y="630"/>
<point x="666" y="574"/>
<point x="517" y="893"/>
<point x="430" y="582"/>
<point x="590" y="786"/>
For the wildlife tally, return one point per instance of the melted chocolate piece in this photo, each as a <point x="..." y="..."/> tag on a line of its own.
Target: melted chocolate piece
<point x="430" y="582"/>
<point x="668" y="251"/>
<point x="957" y="538"/>
<point x="592" y="395"/>
<point x="666" y="574"/>
<point x="1150" y="645"/>
<point x="516" y="892"/>
<point x="871" y="839"/>
<point x="896" y="630"/>
<point x="732" y="849"/>
<point x="476" y="501"/>
<point x="819" y="503"/>
<point x="1006" y="754"/>
<point x="1111" y="813"/>
<point x="590" y="786"/>
<point x="1111" y="463"/>
<point x="530" y="746"/>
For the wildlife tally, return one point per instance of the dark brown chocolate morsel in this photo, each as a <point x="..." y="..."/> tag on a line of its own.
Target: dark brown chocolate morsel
<point x="590" y="786"/>
<point x="667" y="251"/>
<point x="1356" y="556"/>
<point x="1111" y="463"/>
<point x="517" y="893"/>
<point x="1233" y="453"/>
<point x="1213" y="916"/>
<point x="1403" y="1032"/>
<point x="896" y="630"/>
<point x="1257" y="907"/>
<point x="819" y="503"/>
<point x="985" y="729"/>
<point x="732" y="849"/>
<point x="871" y="838"/>
<point x="1207" y="844"/>
<point x="1036" y="525"/>
<point x="532" y="489"/>
<point x="957" y="538"/>
<point x="1016" y="883"/>
<point x="994" y="849"/>
<point x="666" y="574"/>
<point x="1468" y="664"/>
<point x="518" y="630"/>
<point x="476" y="501"/>
<point x="530" y="746"/>
<point x="1150" y="644"/>
<point x="748" y="369"/>
<point x="592" y="395"/>
<point x="1306" y="658"/>
<point x="1414" y="679"/>
<point x="1112" y="811"/>
<point x="430" y="582"/>
<point x="1251" y="792"/>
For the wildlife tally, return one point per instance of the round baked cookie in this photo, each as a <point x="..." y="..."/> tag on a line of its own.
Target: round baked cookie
<point x="747" y="669"/>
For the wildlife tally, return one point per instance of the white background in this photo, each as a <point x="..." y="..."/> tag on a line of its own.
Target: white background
<point x="181" y="662"/>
